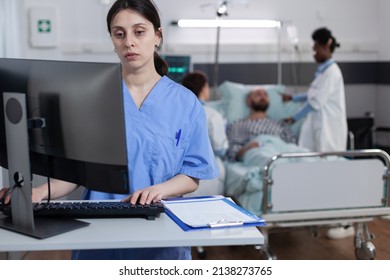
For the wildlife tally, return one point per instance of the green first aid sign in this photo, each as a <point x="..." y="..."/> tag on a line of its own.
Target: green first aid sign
<point x="44" y="26"/>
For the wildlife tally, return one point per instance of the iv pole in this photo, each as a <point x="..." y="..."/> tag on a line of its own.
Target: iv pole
<point x="221" y="11"/>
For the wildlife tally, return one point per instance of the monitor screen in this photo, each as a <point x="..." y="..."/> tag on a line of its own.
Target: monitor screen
<point x="76" y="120"/>
<point x="178" y="66"/>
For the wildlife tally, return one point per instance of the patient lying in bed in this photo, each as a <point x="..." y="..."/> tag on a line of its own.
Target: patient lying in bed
<point x="252" y="142"/>
<point x="241" y="132"/>
<point x="244" y="178"/>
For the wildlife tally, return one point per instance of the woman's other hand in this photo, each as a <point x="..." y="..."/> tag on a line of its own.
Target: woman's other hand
<point x="4" y="197"/>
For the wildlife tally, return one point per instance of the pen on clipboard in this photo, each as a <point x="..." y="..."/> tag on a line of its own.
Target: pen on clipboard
<point x="177" y="137"/>
<point x="225" y="223"/>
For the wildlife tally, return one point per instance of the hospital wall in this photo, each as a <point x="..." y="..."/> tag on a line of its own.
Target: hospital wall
<point x="359" y="25"/>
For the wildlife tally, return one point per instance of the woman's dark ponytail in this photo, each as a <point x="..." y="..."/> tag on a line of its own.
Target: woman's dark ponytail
<point x="160" y="65"/>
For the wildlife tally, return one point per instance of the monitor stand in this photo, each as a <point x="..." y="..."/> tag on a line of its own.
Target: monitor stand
<point x="23" y="220"/>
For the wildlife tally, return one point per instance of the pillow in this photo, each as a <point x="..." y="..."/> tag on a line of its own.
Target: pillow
<point x="233" y="103"/>
<point x="217" y="105"/>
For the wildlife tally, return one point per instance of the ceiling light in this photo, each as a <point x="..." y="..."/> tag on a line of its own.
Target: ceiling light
<point x="232" y="23"/>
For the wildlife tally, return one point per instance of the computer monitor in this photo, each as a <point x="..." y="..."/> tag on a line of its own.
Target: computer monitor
<point x="75" y="123"/>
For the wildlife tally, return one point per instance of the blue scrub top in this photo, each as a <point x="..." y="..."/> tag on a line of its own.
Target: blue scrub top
<point x="165" y="137"/>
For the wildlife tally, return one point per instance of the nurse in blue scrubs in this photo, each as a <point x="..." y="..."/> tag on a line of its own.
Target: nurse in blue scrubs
<point x="168" y="147"/>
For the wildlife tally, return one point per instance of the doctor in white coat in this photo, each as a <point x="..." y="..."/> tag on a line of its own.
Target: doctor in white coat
<point x="197" y="82"/>
<point x="325" y="126"/>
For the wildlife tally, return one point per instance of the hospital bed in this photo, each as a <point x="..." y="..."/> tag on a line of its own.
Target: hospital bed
<point x="327" y="193"/>
<point x="291" y="187"/>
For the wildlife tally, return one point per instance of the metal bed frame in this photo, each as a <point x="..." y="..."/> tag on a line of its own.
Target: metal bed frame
<point x="278" y="217"/>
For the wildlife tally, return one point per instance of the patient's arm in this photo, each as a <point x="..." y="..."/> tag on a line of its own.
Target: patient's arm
<point x="246" y="148"/>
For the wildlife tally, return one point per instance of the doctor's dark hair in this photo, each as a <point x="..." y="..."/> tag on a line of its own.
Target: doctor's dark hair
<point x="147" y="9"/>
<point x="195" y="81"/>
<point x="324" y="36"/>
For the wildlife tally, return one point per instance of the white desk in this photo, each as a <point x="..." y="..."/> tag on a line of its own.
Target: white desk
<point x="131" y="233"/>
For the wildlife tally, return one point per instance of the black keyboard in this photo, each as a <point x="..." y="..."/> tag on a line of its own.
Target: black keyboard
<point x="94" y="209"/>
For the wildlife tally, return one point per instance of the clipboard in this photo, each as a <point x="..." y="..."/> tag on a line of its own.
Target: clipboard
<point x="209" y="212"/>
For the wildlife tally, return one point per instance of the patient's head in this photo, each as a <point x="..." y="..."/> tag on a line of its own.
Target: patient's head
<point x="197" y="82"/>
<point x="258" y="100"/>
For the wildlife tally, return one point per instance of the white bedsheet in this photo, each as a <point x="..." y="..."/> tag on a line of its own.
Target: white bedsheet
<point x="244" y="179"/>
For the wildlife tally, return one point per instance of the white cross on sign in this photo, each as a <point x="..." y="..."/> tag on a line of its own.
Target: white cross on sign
<point x="44" y="26"/>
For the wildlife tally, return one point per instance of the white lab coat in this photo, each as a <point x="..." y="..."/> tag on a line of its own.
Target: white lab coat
<point x="217" y="130"/>
<point x="219" y="143"/>
<point x="325" y="127"/>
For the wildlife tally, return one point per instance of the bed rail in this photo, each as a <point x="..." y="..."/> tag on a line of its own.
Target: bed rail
<point x="366" y="153"/>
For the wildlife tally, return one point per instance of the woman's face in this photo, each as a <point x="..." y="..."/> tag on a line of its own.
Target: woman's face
<point x="134" y="39"/>
<point x="206" y="92"/>
<point x="321" y="52"/>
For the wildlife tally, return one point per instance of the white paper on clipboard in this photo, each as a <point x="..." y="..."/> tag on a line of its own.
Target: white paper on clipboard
<point x="214" y="211"/>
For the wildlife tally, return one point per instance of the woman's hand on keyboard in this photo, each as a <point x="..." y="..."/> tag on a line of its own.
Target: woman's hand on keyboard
<point x="4" y="197"/>
<point x="146" y="196"/>
<point x="177" y="186"/>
